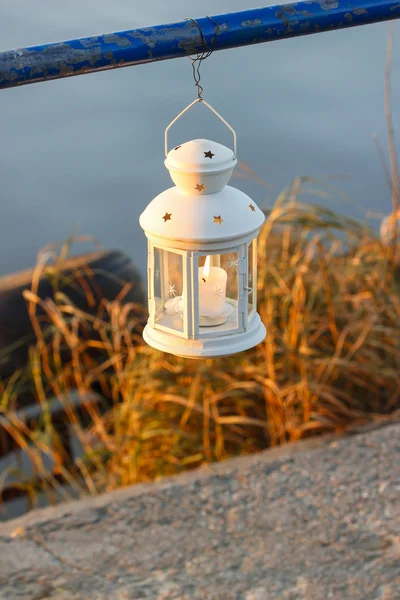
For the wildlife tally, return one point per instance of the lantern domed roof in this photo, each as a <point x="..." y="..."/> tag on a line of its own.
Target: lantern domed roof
<point x="224" y="215"/>
<point x="202" y="207"/>
<point x="200" y="156"/>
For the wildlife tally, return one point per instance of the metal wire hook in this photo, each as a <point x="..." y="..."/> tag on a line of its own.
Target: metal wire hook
<point x="196" y="62"/>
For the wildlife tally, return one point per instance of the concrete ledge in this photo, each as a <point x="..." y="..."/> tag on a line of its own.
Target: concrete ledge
<point x="314" y="520"/>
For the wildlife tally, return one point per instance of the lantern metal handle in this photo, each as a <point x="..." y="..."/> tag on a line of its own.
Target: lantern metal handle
<point x="213" y="111"/>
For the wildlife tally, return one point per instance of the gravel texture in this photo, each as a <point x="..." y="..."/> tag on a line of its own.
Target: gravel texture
<point x="310" y="521"/>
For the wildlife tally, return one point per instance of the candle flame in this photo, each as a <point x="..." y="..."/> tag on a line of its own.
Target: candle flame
<point x="206" y="269"/>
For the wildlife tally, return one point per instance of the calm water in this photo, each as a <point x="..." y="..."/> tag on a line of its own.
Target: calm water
<point x="88" y="151"/>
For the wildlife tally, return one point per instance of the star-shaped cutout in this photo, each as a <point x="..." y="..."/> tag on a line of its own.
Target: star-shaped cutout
<point x="200" y="187"/>
<point x="218" y="220"/>
<point x="208" y="154"/>
<point x="252" y="207"/>
<point x="217" y="292"/>
<point x="167" y="217"/>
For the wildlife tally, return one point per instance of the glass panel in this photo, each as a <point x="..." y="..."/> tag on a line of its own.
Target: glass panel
<point x="252" y="278"/>
<point x="168" y="289"/>
<point x="218" y="284"/>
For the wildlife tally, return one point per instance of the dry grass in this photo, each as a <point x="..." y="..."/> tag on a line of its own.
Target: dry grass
<point x="329" y="296"/>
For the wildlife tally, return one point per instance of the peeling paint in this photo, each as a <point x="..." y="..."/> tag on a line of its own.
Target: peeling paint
<point x="150" y="37"/>
<point x="360" y="11"/>
<point x="288" y="9"/>
<point x="395" y="7"/>
<point x="348" y="16"/>
<point x="89" y="42"/>
<point x="113" y="38"/>
<point x="253" y="23"/>
<point x="305" y="13"/>
<point x="67" y="70"/>
<point x="325" y="4"/>
<point x="280" y="14"/>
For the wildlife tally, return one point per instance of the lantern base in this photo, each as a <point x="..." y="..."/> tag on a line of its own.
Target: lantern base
<point x="213" y="347"/>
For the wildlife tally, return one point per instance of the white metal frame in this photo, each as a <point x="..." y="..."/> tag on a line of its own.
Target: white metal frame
<point x="253" y="288"/>
<point x="186" y="288"/>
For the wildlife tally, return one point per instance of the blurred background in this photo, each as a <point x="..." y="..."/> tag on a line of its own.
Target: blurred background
<point x="87" y="152"/>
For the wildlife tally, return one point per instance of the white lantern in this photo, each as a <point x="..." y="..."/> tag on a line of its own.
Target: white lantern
<point x="202" y="255"/>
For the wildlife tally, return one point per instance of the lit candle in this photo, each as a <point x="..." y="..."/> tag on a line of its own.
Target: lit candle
<point x="212" y="289"/>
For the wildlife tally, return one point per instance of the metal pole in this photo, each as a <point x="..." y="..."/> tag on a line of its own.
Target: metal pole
<point x="161" y="42"/>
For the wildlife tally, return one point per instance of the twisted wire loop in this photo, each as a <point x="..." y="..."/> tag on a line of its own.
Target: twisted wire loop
<point x="198" y="59"/>
<point x="196" y="63"/>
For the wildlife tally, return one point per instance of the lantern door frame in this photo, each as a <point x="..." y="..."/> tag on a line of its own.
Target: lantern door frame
<point x="252" y="289"/>
<point x="187" y="328"/>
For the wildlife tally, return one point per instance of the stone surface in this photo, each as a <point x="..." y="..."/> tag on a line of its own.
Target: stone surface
<point x="317" y="520"/>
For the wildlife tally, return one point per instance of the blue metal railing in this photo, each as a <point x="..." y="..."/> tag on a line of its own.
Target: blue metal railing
<point x="160" y="42"/>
